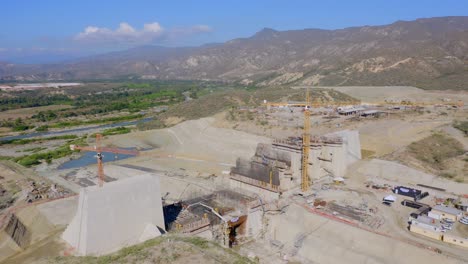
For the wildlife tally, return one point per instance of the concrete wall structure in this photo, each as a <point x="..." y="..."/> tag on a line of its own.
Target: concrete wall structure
<point x="329" y="155"/>
<point x="254" y="222"/>
<point x="262" y="193"/>
<point x="119" y="214"/>
<point x="335" y="157"/>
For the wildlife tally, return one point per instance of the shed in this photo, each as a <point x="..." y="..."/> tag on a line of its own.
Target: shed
<point x="441" y="212"/>
<point x="390" y="198"/>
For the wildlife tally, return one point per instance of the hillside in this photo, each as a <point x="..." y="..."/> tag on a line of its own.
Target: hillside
<point x="428" y="53"/>
<point x="166" y="249"/>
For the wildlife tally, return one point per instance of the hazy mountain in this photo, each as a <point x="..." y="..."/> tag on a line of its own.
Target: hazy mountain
<point x="431" y="53"/>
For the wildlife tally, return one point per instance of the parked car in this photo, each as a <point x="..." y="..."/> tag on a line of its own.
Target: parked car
<point x="445" y="223"/>
<point x="464" y="221"/>
<point x="448" y="221"/>
<point x="448" y="227"/>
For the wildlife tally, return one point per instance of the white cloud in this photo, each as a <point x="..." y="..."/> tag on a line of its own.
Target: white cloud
<point x="127" y="34"/>
<point x="152" y="27"/>
<point x="124" y="33"/>
<point x="2" y="49"/>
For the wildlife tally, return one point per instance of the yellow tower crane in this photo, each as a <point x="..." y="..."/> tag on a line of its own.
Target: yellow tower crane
<point x="306" y="145"/>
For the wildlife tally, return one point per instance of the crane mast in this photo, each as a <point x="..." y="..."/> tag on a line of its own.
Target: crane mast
<point x="306" y="145"/>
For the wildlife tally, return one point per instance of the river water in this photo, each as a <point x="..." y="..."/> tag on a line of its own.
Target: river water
<point x="89" y="158"/>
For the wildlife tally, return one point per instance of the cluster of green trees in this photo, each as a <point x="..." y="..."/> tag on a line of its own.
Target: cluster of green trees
<point x="116" y="131"/>
<point x="45" y="116"/>
<point x="25" y="99"/>
<point x="98" y="99"/>
<point x="16" y="125"/>
<point x="35" y="140"/>
<point x="95" y="121"/>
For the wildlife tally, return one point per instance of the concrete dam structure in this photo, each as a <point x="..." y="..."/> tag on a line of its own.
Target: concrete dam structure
<point x="276" y="168"/>
<point x="119" y="214"/>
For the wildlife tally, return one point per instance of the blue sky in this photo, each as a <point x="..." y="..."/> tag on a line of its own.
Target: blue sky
<point x="36" y="29"/>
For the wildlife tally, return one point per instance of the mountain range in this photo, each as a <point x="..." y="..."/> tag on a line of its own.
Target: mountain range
<point x="428" y="53"/>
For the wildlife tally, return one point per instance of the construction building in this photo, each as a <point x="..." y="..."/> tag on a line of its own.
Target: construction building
<point x="350" y="110"/>
<point x="425" y="229"/>
<point x="276" y="168"/>
<point x="441" y="212"/>
<point x="459" y="241"/>
<point x="426" y="226"/>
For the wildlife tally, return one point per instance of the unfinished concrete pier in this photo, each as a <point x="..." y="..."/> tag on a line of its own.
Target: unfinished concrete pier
<point x="276" y="168"/>
<point x="119" y="214"/>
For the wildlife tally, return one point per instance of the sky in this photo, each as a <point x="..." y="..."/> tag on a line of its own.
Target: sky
<point x="38" y="31"/>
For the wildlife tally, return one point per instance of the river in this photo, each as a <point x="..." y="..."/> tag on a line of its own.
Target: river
<point x="89" y="158"/>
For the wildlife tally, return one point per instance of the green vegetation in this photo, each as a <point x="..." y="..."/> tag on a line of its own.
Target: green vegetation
<point x="35" y="140"/>
<point x="164" y="249"/>
<point x="96" y="121"/>
<point x="462" y="126"/>
<point x="45" y="116"/>
<point x="48" y="156"/>
<point x="37" y="149"/>
<point x="42" y="128"/>
<point x="435" y="149"/>
<point x="17" y="125"/>
<point x="116" y="131"/>
<point x="23" y="99"/>
<point x="153" y="124"/>
<point x="96" y="99"/>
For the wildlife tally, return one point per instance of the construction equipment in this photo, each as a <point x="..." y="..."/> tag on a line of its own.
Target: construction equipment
<point x="306" y="145"/>
<point x="99" y="150"/>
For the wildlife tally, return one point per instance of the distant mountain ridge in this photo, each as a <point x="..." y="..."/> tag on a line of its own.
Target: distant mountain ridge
<point x="427" y="53"/>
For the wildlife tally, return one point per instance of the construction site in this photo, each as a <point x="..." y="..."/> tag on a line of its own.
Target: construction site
<point x="305" y="182"/>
